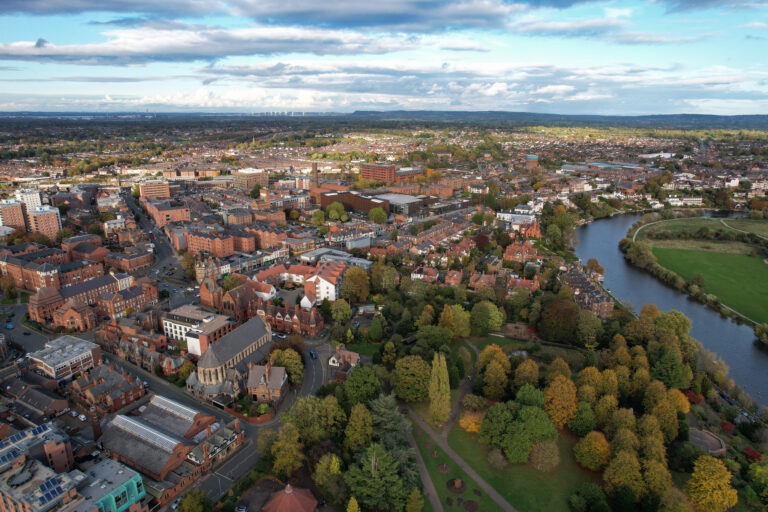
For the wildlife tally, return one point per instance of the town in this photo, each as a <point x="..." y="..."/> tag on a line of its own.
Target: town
<point x="241" y="314"/>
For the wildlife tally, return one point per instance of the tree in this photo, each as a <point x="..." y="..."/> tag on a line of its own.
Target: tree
<point x="8" y="285"/>
<point x="493" y="352"/>
<point x="532" y="425"/>
<point x="461" y="318"/>
<point x="136" y="192"/>
<point x="341" y="311"/>
<point x="593" y="451"/>
<point x="585" y="420"/>
<point x="231" y="282"/>
<point x="256" y="191"/>
<point x="557" y="367"/>
<point x="529" y="395"/>
<point x="335" y="210"/>
<point x="331" y="417"/>
<point x="485" y="317"/>
<point x="64" y="233"/>
<point x="415" y="502"/>
<point x="376" y="331"/>
<point x="355" y="286"/>
<point x="527" y="372"/>
<point x="545" y="455"/>
<point x="195" y="500"/>
<point x="359" y="428"/>
<point x="352" y="506"/>
<point x="656" y="477"/>
<point x="494" y="380"/>
<point x="389" y="279"/>
<point x="362" y="385"/>
<point x="439" y="390"/>
<point x="410" y="378"/>
<point x="328" y="476"/>
<point x="291" y="361"/>
<point x="560" y="401"/>
<point x="624" y="471"/>
<point x="264" y="442"/>
<point x="446" y="319"/>
<point x="375" y="481"/>
<point x="709" y="487"/>
<point x="318" y="218"/>
<point x="593" y="266"/>
<point x="674" y="500"/>
<point x="559" y="321"/>
<point x="427" y="316"/>
<point x="287" y="451"/>
<point x="588" y="328"/>
<point x="666" y="413"/>
<point x="478" y="218"/>
<point x="377" y="215"/>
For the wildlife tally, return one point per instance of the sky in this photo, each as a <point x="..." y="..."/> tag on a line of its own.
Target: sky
<point x="617" y="57"/>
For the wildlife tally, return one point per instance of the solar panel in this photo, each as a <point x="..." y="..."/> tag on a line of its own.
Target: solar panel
<point x="59" y="490"/>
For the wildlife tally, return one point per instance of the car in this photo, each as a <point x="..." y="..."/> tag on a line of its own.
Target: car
<point x="26" y="333"/>
<point x="313" y="354"/>
<point x="74" y="414"/>
<point x="241" y="508"/>
<point x="82" y="417"/>
<point x="175" y="504"/>
<point x="9" y="326"/>
<point x="145" y="384"/>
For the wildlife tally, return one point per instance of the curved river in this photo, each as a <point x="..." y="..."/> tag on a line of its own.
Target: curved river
<point x="734" y="343"/>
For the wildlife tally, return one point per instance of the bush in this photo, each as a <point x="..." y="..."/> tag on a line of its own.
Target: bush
<point x="544" y="456"/>
<point x="497" y="460"/>
<point x="727" y="427"/>
<point x="588" y="497"/>
<point x="752" y="454"/>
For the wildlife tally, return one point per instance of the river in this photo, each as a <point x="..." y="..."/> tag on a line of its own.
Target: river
<point x="734" y="343"/>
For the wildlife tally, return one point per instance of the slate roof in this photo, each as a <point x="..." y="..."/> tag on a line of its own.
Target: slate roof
<point x="256" y="376"/>
<point x="91" y="284"/>
<point x="233" y="343"/>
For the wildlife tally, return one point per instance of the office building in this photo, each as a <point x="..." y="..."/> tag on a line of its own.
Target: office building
<point x="66" y="357"/>
<point x="154" y="190"/>
<point x="246" y="179"/>
<point x="12" y="214"/>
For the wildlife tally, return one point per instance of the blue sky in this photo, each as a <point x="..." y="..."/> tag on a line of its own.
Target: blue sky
<point x="558" y="56"/>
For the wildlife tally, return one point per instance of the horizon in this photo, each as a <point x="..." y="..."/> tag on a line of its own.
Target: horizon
<point x="563" y="57"/>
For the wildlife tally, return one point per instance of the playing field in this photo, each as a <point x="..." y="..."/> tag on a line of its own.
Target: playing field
<point x="739" y="280"/>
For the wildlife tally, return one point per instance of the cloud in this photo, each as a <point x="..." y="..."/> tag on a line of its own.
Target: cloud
<point x="756" y="24"/>
<point x="192" y="43"/>
<point x="575" y="28"/>
<point x="690" y="5"/>
<point x="463" y="45"/>
<point x="172" y="7"/>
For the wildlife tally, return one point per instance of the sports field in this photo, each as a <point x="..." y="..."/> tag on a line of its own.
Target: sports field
<point x="739" y="280"/>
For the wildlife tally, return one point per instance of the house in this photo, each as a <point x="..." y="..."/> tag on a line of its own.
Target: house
<point x="426" y="274"/>
<point x="520" y="252"/>
<point x="341" y="363"/>
<point x="327" y="279"/>
<point x="267" y="383"/>
<point x="479" y="281"/>
<point x="454" y="277"/>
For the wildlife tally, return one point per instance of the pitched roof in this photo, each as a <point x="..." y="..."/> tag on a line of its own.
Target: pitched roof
<point x="291" y="499"/>
<point x="233" y="343"/>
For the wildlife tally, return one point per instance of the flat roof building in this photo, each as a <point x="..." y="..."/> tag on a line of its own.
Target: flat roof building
<point x="66" y="356"/>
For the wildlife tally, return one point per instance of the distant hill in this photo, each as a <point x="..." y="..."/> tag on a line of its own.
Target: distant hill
<point x="683" y="121"/>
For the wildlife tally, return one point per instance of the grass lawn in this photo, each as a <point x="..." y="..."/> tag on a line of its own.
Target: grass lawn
<point x="441" y="479"/>
<point x="758" y="227"/>
<point x="24" y="297"/>
<point x="364" y="349"/>
<point x="8" y="301"/>
<point x="738" y="280"/>
<point x="503" y="342"/>
<point x="422" y="409"/>
<point x="525" y="488"/>
<point x="677" y="225"/>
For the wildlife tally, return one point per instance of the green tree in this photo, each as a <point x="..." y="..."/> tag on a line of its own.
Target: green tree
<point x="291" y="361"/>
<point x="318" y="218"/>
<point x="427" y="316"/>
<point x="709" y="487"/>
<point x="341" y="311"/>
<point x="410" y="378"/>
<point x="136" y="192"/>
<point x="529" y="395"/>
<point x="335" y="210"/>
<point x="389" y="278"/>
<point x="527" y="372"/>
<point x="362" y="385"/>
<point x="461" y="318"/>
<point x="287" y="451"/>
<point x="256" y="191"/>
<point x="63" y="233"/>
<point x="485" y="317"/>
<point x="439" y="390"/>
<point x="231" y="282"/>
<point x="377" y="215"/>
<point x="331" y="417"/>
<point x="585" y="420"/>
<point x="359" y="428"/>
<point x="495" y="381"/>
<point x="589" y="328"/>
<point x="195" y="500"/>
<point x="559" y="321"/>
<point x="355" y="287"/>
<point x="375" y="481"/>
<point x="446" y="320"/>
<point x="624" y="471"/>
<point x="375" y="332"/>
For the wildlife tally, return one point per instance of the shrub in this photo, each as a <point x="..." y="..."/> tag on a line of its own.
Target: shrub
<point x="752" y="454"/>
<point x="471" y="422"/>
<point x="727" y="427"/>
<point x="692" y="397"/>
<point x="497" y="460"/>
<point x="544" y="456"/>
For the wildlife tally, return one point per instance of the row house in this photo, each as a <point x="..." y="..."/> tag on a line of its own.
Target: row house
<point x="479" y="281"/>
<point x="34" y="276"/>
<point x="521" y="252"/>
<point x="425" y="274"/>
<point x="587" y="293"/>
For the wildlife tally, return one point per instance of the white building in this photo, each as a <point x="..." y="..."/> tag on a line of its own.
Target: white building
<point x="29" y="197"/>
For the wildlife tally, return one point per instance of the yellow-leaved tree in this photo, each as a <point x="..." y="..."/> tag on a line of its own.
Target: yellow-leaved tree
<point x="560" y="401"/>
<point x="709" y="488"/>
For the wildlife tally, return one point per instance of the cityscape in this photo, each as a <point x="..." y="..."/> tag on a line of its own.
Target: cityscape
<point x="411" y="256"/>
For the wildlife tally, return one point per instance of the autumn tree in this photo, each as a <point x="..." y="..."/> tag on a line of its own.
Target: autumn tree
<point x="410" y="378"/>
<point x="377" y="215"/>
<point x="493" y="352"/>
<point x="355" y="287"/>
<point x="494" y="380"/>
<point x="287" y="451"/>
<point x="674" y="500"/>
<point x="329" y="478"/>
<point x="359" y="428"/>
<point x="439" y="390"/>
<point x="624" y="471"/>
<point x="656" y="477"/>
<point x="446" y="320"/>
<point x="557" y="367"/>
<point x="353" y="506"/>
<point x="427" y="316"/>
<point x="341" y="311"/>
<point x="593" y="451"/>
<point x="195" y="500"/>
<point x="560" y="401"/>
<point x="527" y="372"/>
<point x="8" y="285"/>
<point x="559" y="320"/>
<point x="415" y="501"/>
<point x="461" y="318"/>
<point x="291" y="361"/>
<point x="485" y="317"/>
<point x="709" y="487"/>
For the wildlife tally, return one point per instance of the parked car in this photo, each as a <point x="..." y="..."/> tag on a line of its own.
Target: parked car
<point x="175" y="504"/>
<point x="241" y="508"/>
<point x="313" y="354"/>
<point x="74" y="414"/>
<point x="82" y="417"/>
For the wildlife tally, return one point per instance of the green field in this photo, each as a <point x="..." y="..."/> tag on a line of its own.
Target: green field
<point x="525" y="488"/>
<point x="739" y="280"/>
<point x="440" y="480"/>
<point x="758" y="227"/>
<point x="677" y="225"/>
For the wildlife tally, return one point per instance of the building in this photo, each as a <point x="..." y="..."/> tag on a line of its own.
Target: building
<point x="44" y="443"/>
<point x="30" y="486"/>
<point x="222" y="369"/>
<point x="291" y="499"/>
<point x="163" y="212"/>
<point x="378" y="172"/>
<point x="112" y="487"/>
<point x="195" y="326"/>
<point x="154" y="190"/>
<point x="65" y="357"/>
<point x="267" y="383"/>
<point x="531" y="163"/>
<point x="13" y="214"/>
<point x="246" y="179"/>
<point x="354" y="201"/>
<point x="30" y="197"/>
<point x="47" y="300"/>
<point x="327" y="279"/>
<point x="217" y="245"/>
<point x="106" y="390"/>
<point x="341" y="363"/>
<point x="44" y="220"/>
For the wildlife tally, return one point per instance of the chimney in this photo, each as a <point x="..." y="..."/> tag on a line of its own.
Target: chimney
<point x="111" y="367"/>
<point x="208" y="432"/>
<point x="266" y="371"/>
<point x="205" y="451"/>
<point x="315" y="180"/>
<point x="237" y="426"/>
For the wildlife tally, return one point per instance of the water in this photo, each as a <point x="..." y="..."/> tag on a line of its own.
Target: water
<point x="734" y="343"/>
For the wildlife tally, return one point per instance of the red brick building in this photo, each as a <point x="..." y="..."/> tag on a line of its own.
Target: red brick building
<point x="13" y="214"/>
<point x="154" y="190"/>
<point x="217" y="245"/>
